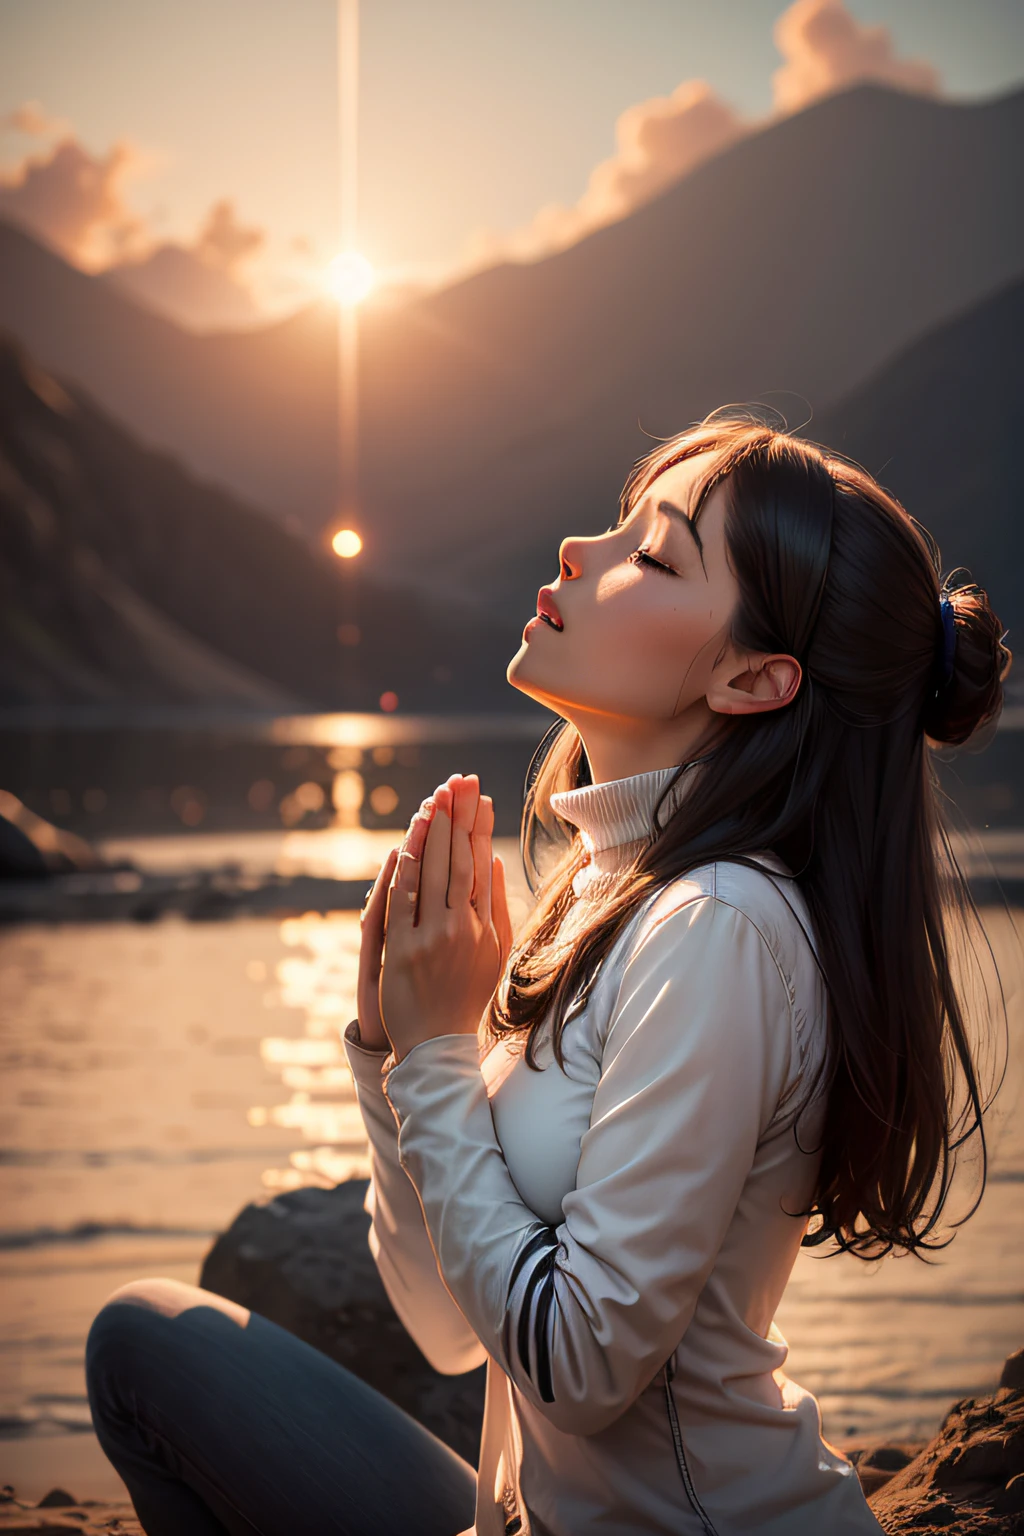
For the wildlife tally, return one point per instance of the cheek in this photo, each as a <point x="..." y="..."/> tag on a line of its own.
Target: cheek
<point x="643" y="650"/>
<point x="665" y="624"/>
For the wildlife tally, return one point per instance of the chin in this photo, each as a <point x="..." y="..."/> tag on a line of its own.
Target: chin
<point x="514" y="667"/>
<point x="517" y="673"/>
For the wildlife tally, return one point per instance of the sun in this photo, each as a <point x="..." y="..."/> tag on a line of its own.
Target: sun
<point x="346" y="543"/>
<point x="350" y="278"/>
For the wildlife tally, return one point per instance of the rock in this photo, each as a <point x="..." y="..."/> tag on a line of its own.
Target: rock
<point x="970" y="1477"/>
<point x="877" y="1465"/>
<point x="57" y="1499"/>
<point x="302" y="1260"/>
<point x="1013" y="1372"/>
<point x="1011" y="1500"/>
<point x="32" y="847"/>
<point x="90" y="1518"/>
<point x="19" y="857"/>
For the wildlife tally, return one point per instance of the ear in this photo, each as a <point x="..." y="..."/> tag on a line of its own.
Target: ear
<point x="748" y="683"/>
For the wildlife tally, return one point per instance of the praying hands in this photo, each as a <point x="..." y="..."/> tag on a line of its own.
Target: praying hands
<point x="435" y="932"/>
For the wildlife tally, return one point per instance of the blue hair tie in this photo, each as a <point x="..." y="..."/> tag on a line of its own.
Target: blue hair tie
<point x="948" y="613"/>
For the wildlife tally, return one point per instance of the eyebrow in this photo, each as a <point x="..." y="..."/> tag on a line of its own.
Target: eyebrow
<point x="688" y="522"/>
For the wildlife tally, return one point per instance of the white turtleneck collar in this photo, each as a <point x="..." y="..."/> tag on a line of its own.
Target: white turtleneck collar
<point x="615" y="818"/>
<point x="621" y="810"/>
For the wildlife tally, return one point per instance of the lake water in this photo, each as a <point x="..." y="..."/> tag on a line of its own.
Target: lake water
<point x="103" y="776"/>
<point x="156" y="1077"/>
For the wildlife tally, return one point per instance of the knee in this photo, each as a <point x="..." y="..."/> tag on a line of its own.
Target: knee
<point x="136" y="1313"/>
<point x="144" y="1333"/>
<point x="117" y="1326"/>
<point x="124" y="1313"/>
<point x="129" y="1318"/>
<point x="167" y="1297"/>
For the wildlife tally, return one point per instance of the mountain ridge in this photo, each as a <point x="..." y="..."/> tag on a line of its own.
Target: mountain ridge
<point x="125" y="579"/>
<point x="518" y="389"/>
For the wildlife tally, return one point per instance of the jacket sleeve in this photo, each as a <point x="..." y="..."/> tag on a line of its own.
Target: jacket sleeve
<point x="399" y="1241"/>
<point x="697" y="1055"/>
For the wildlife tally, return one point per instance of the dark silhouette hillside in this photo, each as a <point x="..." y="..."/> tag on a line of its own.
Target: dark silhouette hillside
<point x="505" y="410"/>
<point x="123" y="578"/>
<point x="942" y="427"/>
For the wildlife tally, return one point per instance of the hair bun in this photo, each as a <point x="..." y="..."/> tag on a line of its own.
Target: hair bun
<point x="972" y="697"/>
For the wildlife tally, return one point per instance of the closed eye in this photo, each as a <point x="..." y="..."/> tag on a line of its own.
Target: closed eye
<point x="640" y="556"/>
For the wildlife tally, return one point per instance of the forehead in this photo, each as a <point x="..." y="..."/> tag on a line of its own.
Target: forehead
<point x="679" y="482"/>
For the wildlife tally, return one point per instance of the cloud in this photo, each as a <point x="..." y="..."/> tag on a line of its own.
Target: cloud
<point x="657" y="142"/>
<point x="202" y="284"/>
<point x="31" y="118"/>
<point x="826" y="49"/>
<point x="75" y="200"/>
<point x="225" y="244"/>
<point x="661" y="140"/>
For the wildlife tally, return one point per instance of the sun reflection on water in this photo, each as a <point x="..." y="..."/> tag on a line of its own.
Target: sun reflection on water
<point x="320" y="980"/>
<point x="317" y="978"/>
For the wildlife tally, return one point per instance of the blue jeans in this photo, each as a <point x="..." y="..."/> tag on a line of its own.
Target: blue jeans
<point x="220" y="1421"/>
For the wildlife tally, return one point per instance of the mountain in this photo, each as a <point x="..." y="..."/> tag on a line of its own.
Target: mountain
<point x="942" y="426"/>
<point x="257" y="414"/>
<point x="125" y="579"/>
<point x="178" y="284"/>
<point x="504" y="411"/>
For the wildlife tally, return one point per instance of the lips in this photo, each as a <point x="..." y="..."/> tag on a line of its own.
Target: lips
<point x="546" y="609"/>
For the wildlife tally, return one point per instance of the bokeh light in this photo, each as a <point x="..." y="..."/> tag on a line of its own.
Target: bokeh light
<point x="388" y="701"/>
<point x="346" y="544"/>
<point x="344" y="757"/>
<point x="261" y="795"/>
<point x="189" y="803"/>
<point x="310" y="796"/>
<point x="347" y="796"/>
<point x="383" y="800"/>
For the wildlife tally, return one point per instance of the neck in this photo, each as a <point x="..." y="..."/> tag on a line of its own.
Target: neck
<point x="620" y="748"/>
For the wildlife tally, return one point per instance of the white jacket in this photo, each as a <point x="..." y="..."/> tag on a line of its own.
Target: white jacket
<point x="614" y="1239"/>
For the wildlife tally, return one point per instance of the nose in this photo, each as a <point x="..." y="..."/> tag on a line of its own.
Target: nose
<point x="570" y="557"/>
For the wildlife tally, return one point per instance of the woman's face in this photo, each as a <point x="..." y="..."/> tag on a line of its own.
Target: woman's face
<point x="639" y="639"/>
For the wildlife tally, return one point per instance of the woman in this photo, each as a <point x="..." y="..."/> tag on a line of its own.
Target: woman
<point x="729" y="1023"/>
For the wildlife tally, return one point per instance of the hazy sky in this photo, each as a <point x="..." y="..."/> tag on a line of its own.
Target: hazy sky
<point x="474" y="113"/>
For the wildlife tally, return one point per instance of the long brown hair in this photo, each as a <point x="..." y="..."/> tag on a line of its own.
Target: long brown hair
<point x="841" y="786"/>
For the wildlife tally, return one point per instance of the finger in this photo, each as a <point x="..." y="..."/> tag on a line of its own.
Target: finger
<point x="372" y="915"/>
<point x="403" y="893"/>
<point x="499" y="909"/>
<point x="483" y="826"/>
<point x="436" y="857"/>
<point x="373" y="925"/>
<point x="460" y="880"/>
<point x="419" y="826"/>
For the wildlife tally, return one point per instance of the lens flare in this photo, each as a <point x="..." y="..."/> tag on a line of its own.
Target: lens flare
<point x="350" y="278"/>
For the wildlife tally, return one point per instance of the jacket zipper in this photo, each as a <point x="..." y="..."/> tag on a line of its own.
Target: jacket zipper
<point x="681" y="1462"/>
